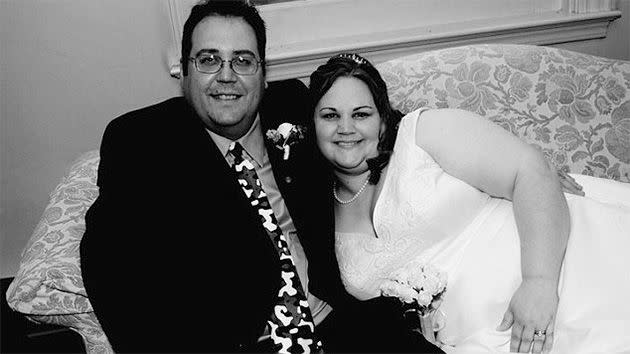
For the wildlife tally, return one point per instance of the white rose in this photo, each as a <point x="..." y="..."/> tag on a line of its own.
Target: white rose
<point x="424" y="298"/>
<point x="401" y="291"/>
<point x="407" y="293"/>
<point x="285" y="129"/>
<point x="417" y="279"/>
<point x="432" y="284"/>
<point x="400" y="275"/>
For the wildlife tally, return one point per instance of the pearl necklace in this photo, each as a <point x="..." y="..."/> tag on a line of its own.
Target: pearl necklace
<point x="354" y="197"/>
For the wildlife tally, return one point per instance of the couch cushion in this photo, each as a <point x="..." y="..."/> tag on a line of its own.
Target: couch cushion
<point x="19" y="335"/>
<point x="575" y="107"/>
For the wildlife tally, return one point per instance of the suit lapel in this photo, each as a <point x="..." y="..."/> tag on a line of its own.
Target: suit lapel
<point x="305" y="187"/>
<point x="216" y="176"/>
<point x="279" y="106"/>
<point x="270" y="119"/>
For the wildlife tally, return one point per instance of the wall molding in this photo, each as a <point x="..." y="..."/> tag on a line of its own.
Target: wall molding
<point x="299" y="61"/>
<point x="303" y="34"/>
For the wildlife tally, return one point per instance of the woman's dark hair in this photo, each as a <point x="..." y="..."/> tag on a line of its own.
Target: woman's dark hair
<point x="353" y="65"/>
<point x="223" y="8"/>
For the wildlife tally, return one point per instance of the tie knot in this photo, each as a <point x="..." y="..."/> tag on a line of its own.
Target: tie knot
<point x="236" y="150"/>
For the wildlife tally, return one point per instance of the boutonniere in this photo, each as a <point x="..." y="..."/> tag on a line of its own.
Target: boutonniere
<point x="286" y="135"/>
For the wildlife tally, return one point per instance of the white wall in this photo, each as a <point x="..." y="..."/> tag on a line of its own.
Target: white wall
<point x="616" y="44"/>
<point x="70" y="66"/>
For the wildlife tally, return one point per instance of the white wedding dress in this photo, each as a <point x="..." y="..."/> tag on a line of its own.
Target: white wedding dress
<point x="424" y="214"/>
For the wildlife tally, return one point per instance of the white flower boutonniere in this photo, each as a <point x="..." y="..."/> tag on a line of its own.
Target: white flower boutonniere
<point x="286" y="135"/>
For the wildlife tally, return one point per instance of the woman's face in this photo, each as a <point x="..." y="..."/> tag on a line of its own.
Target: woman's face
<point x="348" y="125"/>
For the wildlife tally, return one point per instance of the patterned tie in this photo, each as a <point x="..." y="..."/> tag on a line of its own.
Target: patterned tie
<point x="292" y="327"/>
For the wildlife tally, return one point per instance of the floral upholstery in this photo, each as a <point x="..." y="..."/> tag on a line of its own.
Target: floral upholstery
<point x="576" y="107"/>
<point x="48" y="285"/>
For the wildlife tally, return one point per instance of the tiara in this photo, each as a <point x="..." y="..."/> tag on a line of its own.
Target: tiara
<point x="354" y="57"/>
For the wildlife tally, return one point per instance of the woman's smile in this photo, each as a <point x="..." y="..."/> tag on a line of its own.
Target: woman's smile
<point x="348" y="143"/>
<point x="348" y="125"/>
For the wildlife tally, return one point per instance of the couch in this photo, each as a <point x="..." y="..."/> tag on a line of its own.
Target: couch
<point x="574" y="107"/>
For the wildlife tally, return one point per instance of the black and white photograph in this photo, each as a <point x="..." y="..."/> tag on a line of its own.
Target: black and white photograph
<point x="315" y="176"/>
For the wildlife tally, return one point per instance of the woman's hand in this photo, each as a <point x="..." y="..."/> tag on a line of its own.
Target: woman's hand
<point x="568" y="183"/>
<point x="533" y="307"/>
<point x="482" y="154"/>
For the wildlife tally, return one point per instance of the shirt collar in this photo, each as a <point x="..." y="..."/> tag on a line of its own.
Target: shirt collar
<point x="252" y="142"/>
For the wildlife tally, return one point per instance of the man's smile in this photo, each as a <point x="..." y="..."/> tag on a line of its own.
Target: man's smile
<point x="225" y="96"/>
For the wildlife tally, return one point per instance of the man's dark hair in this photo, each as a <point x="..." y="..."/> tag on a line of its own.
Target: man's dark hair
<point x="223" y="8"/>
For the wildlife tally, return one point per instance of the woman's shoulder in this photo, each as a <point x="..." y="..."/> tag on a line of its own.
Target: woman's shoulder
<point x="406" y="147"/>
<point x="425" y="113"/>
<point x="409" y="122"/>
<point x="428" y="125"/>
<point x="429" y="113"/>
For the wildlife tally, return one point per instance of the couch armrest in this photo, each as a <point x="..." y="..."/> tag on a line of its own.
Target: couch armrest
<point x="21" y="335"/>
<point x="48" y="287"/>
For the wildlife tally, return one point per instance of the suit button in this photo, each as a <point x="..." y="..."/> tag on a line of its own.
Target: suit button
<point x="288" y="179"/>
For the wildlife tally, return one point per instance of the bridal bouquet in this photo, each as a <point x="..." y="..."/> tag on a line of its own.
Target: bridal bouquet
<point x="420" y="287"/>
<point x="286" y="135"/>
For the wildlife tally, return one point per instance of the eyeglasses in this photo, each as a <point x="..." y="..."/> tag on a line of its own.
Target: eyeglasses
<point x="212" y="63"/>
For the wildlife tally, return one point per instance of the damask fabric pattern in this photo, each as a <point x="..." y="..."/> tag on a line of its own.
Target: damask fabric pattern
<point x="48" y="285"/>
<point x="575" y="107"/>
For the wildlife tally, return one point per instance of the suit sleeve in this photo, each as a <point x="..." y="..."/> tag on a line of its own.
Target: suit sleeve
<point x="107" y="246"/>
<point x="170" y="260"/>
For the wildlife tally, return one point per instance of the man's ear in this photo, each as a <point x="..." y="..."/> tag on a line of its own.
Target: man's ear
<point x="266" y="85"/>
<point x="177" y="73"/>
<point x="175" y="70"/>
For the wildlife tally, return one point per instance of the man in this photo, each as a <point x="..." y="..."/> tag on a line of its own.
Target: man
<point x="176" y="256"/>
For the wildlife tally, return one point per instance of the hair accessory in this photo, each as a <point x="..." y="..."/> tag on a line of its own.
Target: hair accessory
<point x="352" y="56"/>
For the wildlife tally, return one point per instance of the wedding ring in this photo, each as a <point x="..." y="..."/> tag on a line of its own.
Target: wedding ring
<point x="540" y="332"/>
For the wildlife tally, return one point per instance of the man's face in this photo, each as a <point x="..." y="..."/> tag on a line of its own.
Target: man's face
<point x="226" y="102"/>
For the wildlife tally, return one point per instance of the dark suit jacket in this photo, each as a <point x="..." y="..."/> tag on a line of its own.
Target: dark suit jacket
<point x="173" y="257"/>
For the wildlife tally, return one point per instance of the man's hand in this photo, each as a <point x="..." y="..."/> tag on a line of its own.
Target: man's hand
<point x="532" y="309"/>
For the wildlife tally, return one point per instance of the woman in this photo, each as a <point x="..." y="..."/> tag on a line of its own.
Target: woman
<point x="451" y="189"/>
